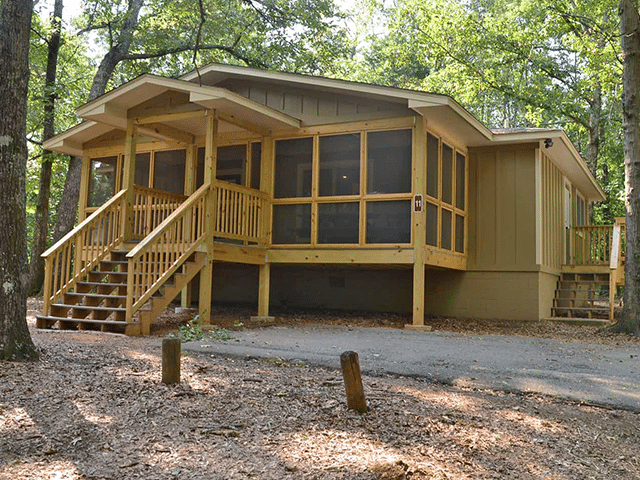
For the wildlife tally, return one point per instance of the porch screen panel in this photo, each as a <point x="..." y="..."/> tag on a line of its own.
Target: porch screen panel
<point x="432" y="224"/>
<point x="292" y="224"/>
<point x="143" y="163"/>
<point x="168" y="170"/>
<point x="231" y="164"/>
<point x="459" y="234"/>
<point x="460" y="178"/>
<point x="389" y="222"/>
<point x="447" y="173"/>
<point x="432" y="165"/>
<point x="102" y="180"/>
<point x="445" y="237"/>
<point x="338" y="222"/>
<point x="200" y="168"/>
<point x="340" y="165"/>
<point x="389" y="161"/>
<point x="256" y="156"/>
<point x="293" y="168"/>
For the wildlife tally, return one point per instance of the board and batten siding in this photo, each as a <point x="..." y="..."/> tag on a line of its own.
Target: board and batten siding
<point x="315" y="108"/>
<point x="502" y="214"/>
<point x="552" y="214"/>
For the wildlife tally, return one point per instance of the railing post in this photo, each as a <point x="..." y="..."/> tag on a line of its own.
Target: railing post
<point x="130" y="290"/>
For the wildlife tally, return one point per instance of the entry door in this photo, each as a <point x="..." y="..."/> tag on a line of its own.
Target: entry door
<point x="567" y="224"/>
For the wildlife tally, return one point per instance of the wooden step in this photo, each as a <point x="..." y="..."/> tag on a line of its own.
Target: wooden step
<point x="90" y="307"/>
<point x="66" y="323"/>
<point x="101" y="296"/>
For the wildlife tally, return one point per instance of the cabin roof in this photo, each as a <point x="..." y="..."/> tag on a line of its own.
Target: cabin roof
<point x="110" y="111"/>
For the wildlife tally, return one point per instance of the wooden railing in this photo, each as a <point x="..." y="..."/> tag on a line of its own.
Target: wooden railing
<point x="151" y="207"/>
<point x="238" y="212"/>
<point x="96" y="236"/>
<point x="592" y="244"/>
<point x="161" y="253"/>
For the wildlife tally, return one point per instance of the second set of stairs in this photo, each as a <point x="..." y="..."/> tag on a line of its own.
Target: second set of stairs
<point x="98" y="301"/>
<point x="582" y="296"/>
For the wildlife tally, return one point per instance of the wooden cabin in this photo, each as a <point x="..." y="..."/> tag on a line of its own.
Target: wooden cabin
<point x="239" y="184"/>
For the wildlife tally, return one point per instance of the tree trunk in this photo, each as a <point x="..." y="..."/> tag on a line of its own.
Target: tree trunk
<point x="15" y="24"/>
<point x="68" y="205"/>
<point x="41" y="227"/>
<point x="629" y="25"/>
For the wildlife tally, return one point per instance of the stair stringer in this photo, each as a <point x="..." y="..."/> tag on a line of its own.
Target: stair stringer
<point x="168" y="292"/>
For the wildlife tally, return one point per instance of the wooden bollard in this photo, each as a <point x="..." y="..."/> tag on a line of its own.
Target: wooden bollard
<point x="353" y="382"/>
<point x="171" y="360"/>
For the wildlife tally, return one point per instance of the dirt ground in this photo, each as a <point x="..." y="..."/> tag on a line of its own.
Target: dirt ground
<point x="94" y="408"/>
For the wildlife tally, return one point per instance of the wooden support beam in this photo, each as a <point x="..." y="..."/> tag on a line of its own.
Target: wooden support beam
<point x="238" y="122"/>
<point x="191" y="168"/>
<point x="129" y="173"/>
<point x="170" y="117"/>
<point x="210" y="163"/>
<point x="419" y="220"/>
<point x="264" y="282"/>
<point x="166" y="132"/>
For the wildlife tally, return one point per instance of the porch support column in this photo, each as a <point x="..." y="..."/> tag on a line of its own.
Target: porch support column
<point x="210" y="162"/>
<point x="264" y="278"/>
<point x="419" y="223"/>
<point x="128" y="175"/>
<point x="191" y="166"/>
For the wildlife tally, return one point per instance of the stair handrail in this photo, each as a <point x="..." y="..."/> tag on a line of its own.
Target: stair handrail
<point x="59" y="277"/>
<point x="614" y="267"/>
<point x="167" y="247"/>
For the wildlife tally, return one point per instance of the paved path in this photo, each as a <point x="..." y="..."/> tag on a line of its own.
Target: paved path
<point x="603" y="375"/>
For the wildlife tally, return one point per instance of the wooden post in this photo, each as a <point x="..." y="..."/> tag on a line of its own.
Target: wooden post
<point x="129" y="173"/>
<point x="210" y="163"/>
<point x="171" y="360"/>
<point x="191" y="167"/>
<point x="353" y="382"/>
<point x="419" y="222"/>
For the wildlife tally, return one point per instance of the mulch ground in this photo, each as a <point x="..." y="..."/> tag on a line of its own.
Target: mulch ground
<point x="94" y="407"/>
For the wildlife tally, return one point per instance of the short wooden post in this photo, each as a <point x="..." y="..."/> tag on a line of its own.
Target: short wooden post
<point x="353" y="382"/>
<point x="171" y="360"/>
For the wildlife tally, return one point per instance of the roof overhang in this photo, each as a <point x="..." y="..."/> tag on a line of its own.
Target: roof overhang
<point x="112" y="108"/>
<point x="71" y="141"/>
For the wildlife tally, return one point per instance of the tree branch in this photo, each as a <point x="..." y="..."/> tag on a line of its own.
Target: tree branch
<point x="185" y="48"/>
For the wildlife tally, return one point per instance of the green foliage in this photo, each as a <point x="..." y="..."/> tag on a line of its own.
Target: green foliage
<point x="512" y="63"/>
<point x="192" y="331"/>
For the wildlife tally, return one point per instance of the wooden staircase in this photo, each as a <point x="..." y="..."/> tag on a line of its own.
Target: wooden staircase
<point x="582" y="295"/>
<point x="98" y="301"/>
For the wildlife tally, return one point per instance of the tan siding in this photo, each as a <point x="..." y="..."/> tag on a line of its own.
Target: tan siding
<point x="492" y="295"/>
<point x="552" y="214"/>
<point x="316" y="108"/>
<point x="502" y="210"/>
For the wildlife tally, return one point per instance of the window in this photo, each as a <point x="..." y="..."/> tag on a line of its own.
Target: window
<point x="293" y="168"/>
<point x="580" y="210"/>
<point x="446" y="201"/>
<point x="292" y="224"/>
<point x="389" y="162"/>
<point x="338" y="222"/>
<point x="102" y="180"/>
<point x="340" y="165"/>
<point x="168" y="170"/>
<point x="321" y="195"/>
<point x="256" y="160"/>
<point x="389" y="222"/>
<point x="143" y="165"/>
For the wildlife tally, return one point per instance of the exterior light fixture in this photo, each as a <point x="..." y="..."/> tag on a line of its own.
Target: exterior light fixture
<point x="548" y="143"/>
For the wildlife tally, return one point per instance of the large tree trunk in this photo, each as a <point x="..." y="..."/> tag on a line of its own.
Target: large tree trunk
<point x="68" y="205"/>
<point x="41" y="227"/>
<point x="15" y="23"/>
<point x="629" y="25"/>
